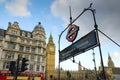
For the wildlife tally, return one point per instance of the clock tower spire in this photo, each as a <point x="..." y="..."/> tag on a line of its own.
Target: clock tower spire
<point x="50" y="40"/>
<point x="50" y="58"/>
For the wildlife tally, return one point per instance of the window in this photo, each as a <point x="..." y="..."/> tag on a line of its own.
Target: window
<point x="33" y="43"/>
<point x="38" y="68"/>
<point x="11" y="46"/>
<point x="28" y="41"/>
<point x="43" y="59"/>
<point x="40" y="37"/>
<point x="21" y="48"/>
<point x="39" y="43"/>
<point x="27" y="49"/>
<point x="32" y="58"/>
<point x="12" y="38"/>
<point x="39" y="50"/>
<point x="6" y="65"/>
<point x="34" y="37"/>
<point x="1" y="33"/>
<point x="31" y="67"/>
<point x="33" y="50"/>
<point x="13" y="31"/>
<point x="44" y="51"/>
<point x="43" y="68"/>
<point x="27" y="57"/>
<point x="38" y="58"/>
<point x="22" y="41"/>
<point x="9" y="56"/>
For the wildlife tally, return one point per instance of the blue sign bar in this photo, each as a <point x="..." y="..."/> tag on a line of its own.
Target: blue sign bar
<point x="85" y="43"/>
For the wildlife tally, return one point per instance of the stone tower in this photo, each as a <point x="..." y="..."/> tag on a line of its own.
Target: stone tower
<point x="50" y="58"/>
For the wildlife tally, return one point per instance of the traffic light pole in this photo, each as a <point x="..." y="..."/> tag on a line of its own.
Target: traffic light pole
<point x="17" y="67"/>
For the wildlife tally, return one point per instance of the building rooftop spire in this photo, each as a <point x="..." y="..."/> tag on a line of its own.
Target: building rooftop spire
<point x="50" y="39"/>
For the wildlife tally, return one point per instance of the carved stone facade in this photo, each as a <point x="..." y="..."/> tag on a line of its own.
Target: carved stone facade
<point x="31" y="45"/>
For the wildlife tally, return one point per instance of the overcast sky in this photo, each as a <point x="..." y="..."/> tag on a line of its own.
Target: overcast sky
<point x="107" y="17"/>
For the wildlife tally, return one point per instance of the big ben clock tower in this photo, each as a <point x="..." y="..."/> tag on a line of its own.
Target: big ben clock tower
<point x="50" y="58"/>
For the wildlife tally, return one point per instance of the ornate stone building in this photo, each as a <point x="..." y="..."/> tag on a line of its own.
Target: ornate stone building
<point x="112" y="72"/>
<point x="31" y="45"/>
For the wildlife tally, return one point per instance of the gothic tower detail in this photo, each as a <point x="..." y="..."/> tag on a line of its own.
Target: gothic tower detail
<point x="79" y="66"/>
<point x="110" y="62"/>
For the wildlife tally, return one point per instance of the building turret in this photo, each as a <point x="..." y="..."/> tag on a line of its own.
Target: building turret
<point x="110" y="62"/>
<point x="39" y="32"/>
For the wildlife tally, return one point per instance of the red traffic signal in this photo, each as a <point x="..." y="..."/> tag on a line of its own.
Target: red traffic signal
<point x="24" y="64"/>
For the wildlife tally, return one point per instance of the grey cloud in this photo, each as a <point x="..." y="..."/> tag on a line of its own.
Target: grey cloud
<point x="107" y="15"/>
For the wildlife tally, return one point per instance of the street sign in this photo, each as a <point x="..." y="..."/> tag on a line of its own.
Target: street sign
<point x="85" y="43"/>
<point x="72" y="33"/>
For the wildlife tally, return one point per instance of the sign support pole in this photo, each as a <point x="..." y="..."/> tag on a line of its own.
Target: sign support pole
<point x="96" y="27"/>
<point x="102" y="64"/>
<point x="59" y="57"/>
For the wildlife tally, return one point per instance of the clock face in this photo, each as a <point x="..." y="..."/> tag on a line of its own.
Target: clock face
<point x="51" y="49"/>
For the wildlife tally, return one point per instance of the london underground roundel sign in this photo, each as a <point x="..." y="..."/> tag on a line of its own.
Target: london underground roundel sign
<point x="72" y="33"/>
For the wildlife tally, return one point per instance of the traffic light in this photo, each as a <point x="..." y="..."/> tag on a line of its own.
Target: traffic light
<point x="24" y="64"/>
<point x="12" y="66"/>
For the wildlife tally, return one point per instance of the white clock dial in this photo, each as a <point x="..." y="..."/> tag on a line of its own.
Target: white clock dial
<point x="51" y="49"/>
